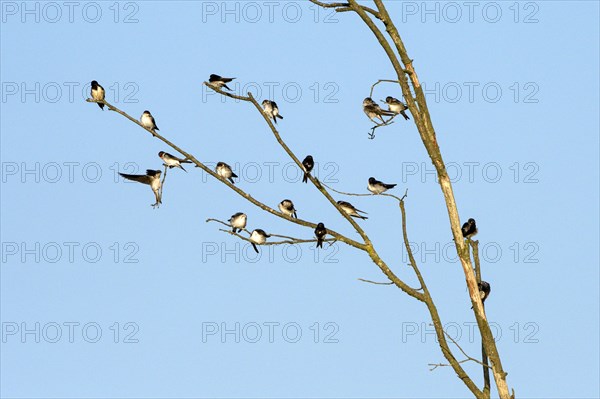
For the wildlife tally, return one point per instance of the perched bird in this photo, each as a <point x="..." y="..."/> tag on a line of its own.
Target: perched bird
<point x="396" y="106"/>
<point x="259" y="237"/>
<point x="351" y="210"/>
<point x="219" y="81"/>
<point x="148" y="122"/>
<point x="225" y="171"/>
<point x="377" y="187"/>
<point x="270" y="108"/>
<point x="372" y="110"/>
<point x="172" y="161"/>
<point x="152" y="178"/>
<point x="238" y="221"/>
<point x="97" y="93"/>
<point x="308" y="164"/>
<point x="469" y="229"/>
<point x="484" y="291"/>
<point x="320" y="232"/>
<point x="287" y="208"/>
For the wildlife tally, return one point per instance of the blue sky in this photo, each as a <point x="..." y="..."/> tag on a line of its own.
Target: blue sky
<point x="121" y="300"/>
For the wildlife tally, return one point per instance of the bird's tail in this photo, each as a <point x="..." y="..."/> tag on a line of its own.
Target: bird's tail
<point x="279" y="116"/>
<point x="101" y="106"/>
<point x="389" y="186"/>
<point x="254" y="246"/>
<point x="305" y="178"/>
<point x="231" y="179"/>
<point x="319" y="243"/>
<point x="404" y="115"/>
<point x="182" y="168"/>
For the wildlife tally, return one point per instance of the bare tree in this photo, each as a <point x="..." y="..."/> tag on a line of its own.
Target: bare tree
<point x="407" y="78"/>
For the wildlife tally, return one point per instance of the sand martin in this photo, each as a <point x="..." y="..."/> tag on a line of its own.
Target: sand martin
<point x="238" y="222"/>
<point x="484" y="290"/>
<point x="396" y="106"/>
<point x="97" y="93"/>
<point x="349" y="209"/>
<point x="225" y="171"/>
<point x="172" y="161"/>
<point x="271" y="110"/>
<point x="377" y="187"/>
<point x="372" y="110"/>
<point x="308" y="164"/>
<point x="259" y="237"/>
<point x="148" y="122"/>
<point x="469" y="229"/>
<point x="152" y="178"/>
<point x="320" y="232"/>
<point x="287" y="208"/>
<point x="219" y="81"/>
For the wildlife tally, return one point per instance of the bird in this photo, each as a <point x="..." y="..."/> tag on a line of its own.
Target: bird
<point x="308" y="165"/>
<point x="238" y="221"/>
<point x="259" y="237"/>
<point x="148" y="122"/>
<point x="484" y="291"/>
<point x="396" y="106"/>
<point x="349" y="209"/>
<point x="469" y="229"/>
<point x="271" y="110"/>
<point x="225" y="171"/>
<point x="287" y="208"/>
<point x="97" y="93"/>
<point x="219" y="81"/>
<point x="377" y="187"/>
<point x="152" y="178"/>
<point x="372" y="110"/>
<point x="320" y="232"/>
<point x="172" y="161"/>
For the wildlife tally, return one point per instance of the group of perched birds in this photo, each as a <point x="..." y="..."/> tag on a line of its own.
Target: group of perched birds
<point x="239" y="220"/>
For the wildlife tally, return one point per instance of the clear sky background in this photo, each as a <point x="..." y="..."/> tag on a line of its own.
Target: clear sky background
<point x="83" y="252"/>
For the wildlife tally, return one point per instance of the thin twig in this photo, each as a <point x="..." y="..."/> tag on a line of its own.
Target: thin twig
<point x="468" y="358"/>
<point x="375" y="282"/>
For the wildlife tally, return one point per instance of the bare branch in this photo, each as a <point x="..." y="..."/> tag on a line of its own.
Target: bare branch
<point x="238" y="190"/>
<point x="368" y="246"/>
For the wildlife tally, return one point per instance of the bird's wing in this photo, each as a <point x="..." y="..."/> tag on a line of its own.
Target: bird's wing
<point x="145" y="179"/>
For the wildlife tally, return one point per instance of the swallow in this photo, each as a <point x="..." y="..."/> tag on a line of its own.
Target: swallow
<point x="320" y="232"/>
<point x="172" y="161"/>
<point x="396" y="106"/>
<point x="469" y="229"/>
<point x="148" y="122"/>
<point x="372" y="110"/>
<point x="225" y="171"/>
<point x="308" y="165"/>
<point x="271" y="110"/>
<point x="287" y="208"/>
<point x="152" y="178"/>
<point x="259" y="237"/>
<point x="377" y="187"/>
<point x="238" y="222"/>
<point x="97" y="93"/>
<point x="349" y="209"/>
<point x="219" y="81"/>
<point x="484" y="291"/>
